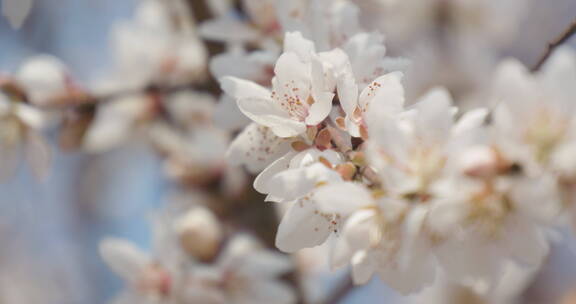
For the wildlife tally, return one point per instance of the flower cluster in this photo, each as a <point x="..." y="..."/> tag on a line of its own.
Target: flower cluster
<point x="408" y="191"/>
<point x="335" y="127"/>
<point x="192" y="263"/>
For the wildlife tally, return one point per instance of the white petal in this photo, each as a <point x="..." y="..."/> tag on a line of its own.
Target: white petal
<point x="366" y="51"/>
<point x="469" y="121"/>
<point x="113" y="123"/>
<point x="312" y="156"/>
<point x="342" y="198"/>
<point x="322" y="105"/>
<point x="293" y="74"/>
<point x="537" y="198"/>
<point x="32" y="117"/>
<point x="559" y="76"/>
<point x="237" y="249"/>
<point x="411" y="231"/>
<point x="267" y="113"/>
<point x="525" y="241"/>
<point x="295" y="183"/>
<point x="363" y="267"/>
<point x="43" y="77"/>
<point x="302" y="227"/>
<point x="295" y="43"/>
<point x="240" y="88"/>
<point x="412" y="280"/>
<point x="446" y="217"/>
<point x="434" y="118"/>
<point x="382" y="98"/>
<point x="347" y="92"/>
<point x="320" y="109"/>
<point x="514" y="86"/>
<point x="470" y="258"/>
<point x="124" y="258"/>
<point x="262" y="180"/>
<point x="357" y="235"/>
<point x="256" y="148"/>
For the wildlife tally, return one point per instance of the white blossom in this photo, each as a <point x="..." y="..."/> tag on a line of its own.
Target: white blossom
<point x="44" y="78"/>
<point x="299" y="95"/>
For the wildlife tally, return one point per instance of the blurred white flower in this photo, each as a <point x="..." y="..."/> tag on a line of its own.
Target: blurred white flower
<point x="170" y="56"/>
<point x="44" y="79"/>
<point x="534" y="113"/>
<point x="115" y="122"/>
<point x="199" y="233"/>
<point x="20" y="137"/>
<point x="148" y="281"/>
<point x="247" y="273"/>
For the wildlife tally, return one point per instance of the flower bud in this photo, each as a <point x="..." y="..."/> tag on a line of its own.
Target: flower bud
<point x="323" y="139"/>
<point x="44" y="78"/>
<point x="199" y="233"/>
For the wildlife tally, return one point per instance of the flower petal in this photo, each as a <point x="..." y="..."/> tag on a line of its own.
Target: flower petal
<point x="295" y="183"/>
<point x="240" y="88"/>
<point x="382" y="98"/>
<point x="265" y="112"/>
<point x="347" y="92"/>
<point x="256" y="148"/>
<point x="124" y="258"/>
<point x="434" y="115"/>
<point x="302" y="227"/>
<point x="294" y="42"/>
<point x="262" y="180"/>
<point x="342" y="198"/>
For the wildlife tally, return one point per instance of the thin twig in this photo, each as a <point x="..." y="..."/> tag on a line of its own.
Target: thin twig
<point x="569" y="32"/>
<point x="341" y="291"/>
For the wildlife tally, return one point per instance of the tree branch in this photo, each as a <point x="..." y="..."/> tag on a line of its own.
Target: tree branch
<point x="82" y="99"/>
<point x="567" y="34"/>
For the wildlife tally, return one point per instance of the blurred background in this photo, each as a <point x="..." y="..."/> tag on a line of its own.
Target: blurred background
<point x="49" y="230"/>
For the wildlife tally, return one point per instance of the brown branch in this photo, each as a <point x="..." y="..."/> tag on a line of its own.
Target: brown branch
<point x="341" y="291"/>
<point x="80" y="99"/>
<point x="567" y="34"/>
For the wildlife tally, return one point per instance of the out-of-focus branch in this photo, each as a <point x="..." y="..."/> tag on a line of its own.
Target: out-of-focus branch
<point x="341" y="290"/>
<point x="567" y="34"/>
<point x="82" y="99"/>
